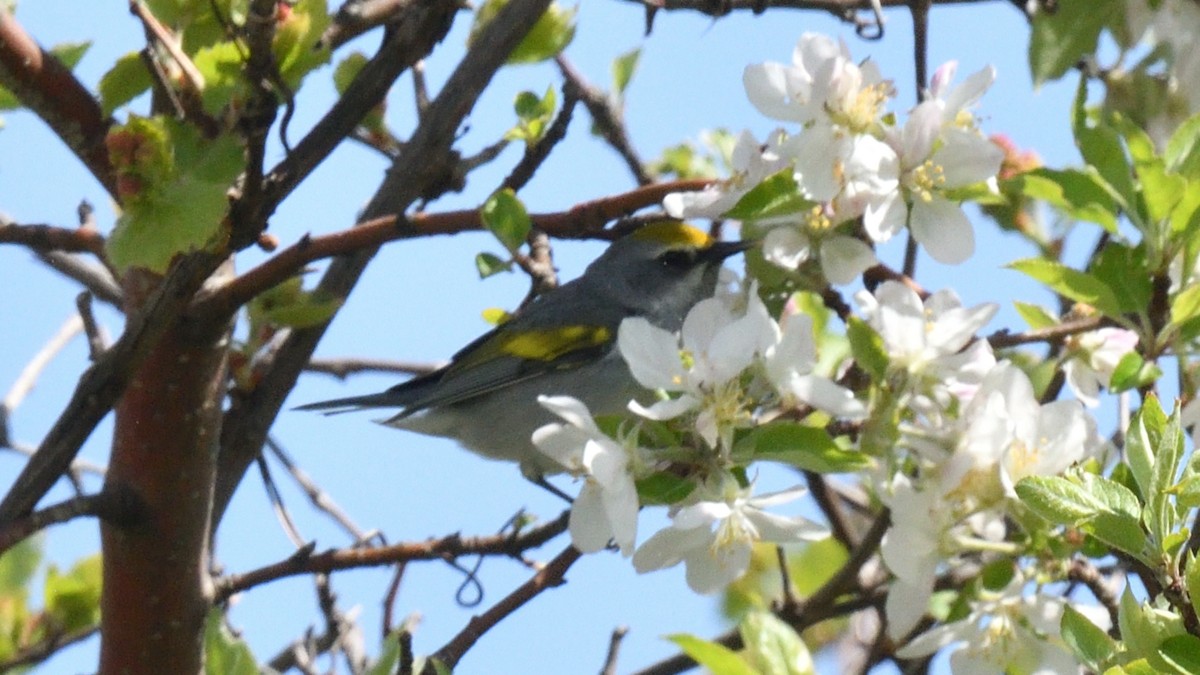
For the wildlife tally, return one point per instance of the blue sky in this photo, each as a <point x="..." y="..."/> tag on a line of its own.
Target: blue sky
<point x="421" y="300"/>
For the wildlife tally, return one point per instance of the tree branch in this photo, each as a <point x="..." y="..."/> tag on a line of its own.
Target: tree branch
<point x="52" y="238"/>
<point x="450" y="547"/>
<point x="44" y="85"/>
<point x="550" y="576"/>
<point x="420" y="26"/>
<point x="581" y="221"/>
<point x="609" y="119"/>
<point x="102" y="384"/>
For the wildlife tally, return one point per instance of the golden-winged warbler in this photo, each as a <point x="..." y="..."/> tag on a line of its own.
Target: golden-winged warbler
<point x="563" y="343"/>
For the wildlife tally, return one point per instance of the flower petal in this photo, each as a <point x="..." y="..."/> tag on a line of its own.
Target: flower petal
<point x="651" y="353"/>
<point x="943" y="229"/>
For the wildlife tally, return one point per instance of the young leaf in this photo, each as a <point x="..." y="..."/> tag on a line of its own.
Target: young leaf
<point x="1071" y="283"/>
<point x="805" y="447"/>
<point x="1101" y="148"/>
<point x="73" y="599"/>
<point x="18" y="564"/>
<point x="1077" y="193"/>
<point x="1182" y="652"/>
<point x="717" y="658"/>
<point x="663" y="487"/>
<point x="1058" y="500"/>
<point x="125" y="81"/>
<point x="867" y="347"/>
<point x="623" y="68"/>
<point x="549" y="36"/>
<point x="176" y="201"/>
<point x="1061" y="38"/>
<point x="773" y="647"/>
<point x="505" y="216"/>
<point x="1132" y="371"/>
<point x="488" y="264"/>
<point x="1035" y="316"/>
<point x="224" y="653"/>
<point x="1117" y="267"/>
<point x="1183" y="149"/>
<point x="777" y="195"/>
<point x="1091" y="645"/>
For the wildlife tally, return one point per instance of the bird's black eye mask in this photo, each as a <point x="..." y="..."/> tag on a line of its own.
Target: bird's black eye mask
<point x="679" y="260"/>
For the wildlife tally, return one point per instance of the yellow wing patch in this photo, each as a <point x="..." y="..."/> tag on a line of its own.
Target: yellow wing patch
<point x="674" y="234"/>
<point x="548" y="344"/>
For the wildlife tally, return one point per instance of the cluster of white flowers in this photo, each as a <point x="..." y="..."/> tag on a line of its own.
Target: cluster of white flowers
<point x="851" y="161"/>
<point x="947" y="429"/>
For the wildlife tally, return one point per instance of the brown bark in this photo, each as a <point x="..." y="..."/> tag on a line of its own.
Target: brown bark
<point x="156" y="590"/>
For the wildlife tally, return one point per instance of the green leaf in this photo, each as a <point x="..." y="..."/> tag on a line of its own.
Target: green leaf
<point x="70" y="53"/>
<point x="717" y="658"/>
<point x="175" y="201"/>
<point x="1071" y="283"/>
<point x="1057" y="499"/>
<point x="623" y="68"/>
<point x="223" y="67"/>
<point x="778" y="195"/>
<point x="18" y="564"/>
<point x="389" y="657"/>
<point x="663" y="487"/>
<point x="224" y="653"/>
<point x="73" y="599"/>
<point x="1133" y="371"/>
<point x="1035" y="316"/>
<point x="506" y="217"/>
<point x="489" y="264"/>
<point x="534" y="116"/>
<point x="1145" y="627"/>
<point x="296" y="44"/>
<point x="1192" y="579"/>
<point x="1182" y="652"/>
<point x="805" y="447"/>
<point x="772" y="647"/>
<point x="1183" y="149"/>
<point x="1187" y="493"/>
<point x="1101" y="148"/>
<point x="1078" y="193"/>
<point x="347" y="69"/>
<point x="1123" y="270"/>
<point x="125" y="81"/>
<point x="549" y="36"/>
<point x="867" y="347"/>
<point x="1063" y="37"/>
<point x="1090" y="645"/>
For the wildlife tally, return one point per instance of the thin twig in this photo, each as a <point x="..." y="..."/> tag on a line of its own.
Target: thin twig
<point x="277" y="505"/>
<point x="316" y="495"/>
<point x="1086" y="573"/>
<point x="537" y="153"/>
<point x="118" y="507"/>
<point x="41" y="237"/>
<point x="342" y="368"/>
<point x="45" y="648"/>
<point x="29" y="375"/>
<point x="614" y="650"/>
<point x="550" y="576"/>
<point x="95" y="278"/>
<point x="97" y="342"/>
<point x="609" y="120"/>
<point x="47" y="87"/>
<point x="432" y="549"/>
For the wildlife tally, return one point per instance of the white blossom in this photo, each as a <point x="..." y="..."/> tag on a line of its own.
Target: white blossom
<point x="1093" y="356"/>
<point x="607" y="506"/>
<point x="714" y="538"/>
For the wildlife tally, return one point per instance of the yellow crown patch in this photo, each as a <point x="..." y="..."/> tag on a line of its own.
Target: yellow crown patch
<point x="674" y="234"/>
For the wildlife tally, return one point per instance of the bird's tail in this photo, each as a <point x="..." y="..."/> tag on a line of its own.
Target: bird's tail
<point x="337" y="406"/>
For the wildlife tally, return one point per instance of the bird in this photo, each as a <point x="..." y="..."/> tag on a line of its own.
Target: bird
<point x="561" y="344"/>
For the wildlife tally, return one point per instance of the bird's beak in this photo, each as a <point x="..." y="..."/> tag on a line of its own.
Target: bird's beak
<point x="724" y="249"/>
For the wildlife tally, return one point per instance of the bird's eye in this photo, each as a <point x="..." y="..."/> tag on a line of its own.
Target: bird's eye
<point x="677" y="259"/>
